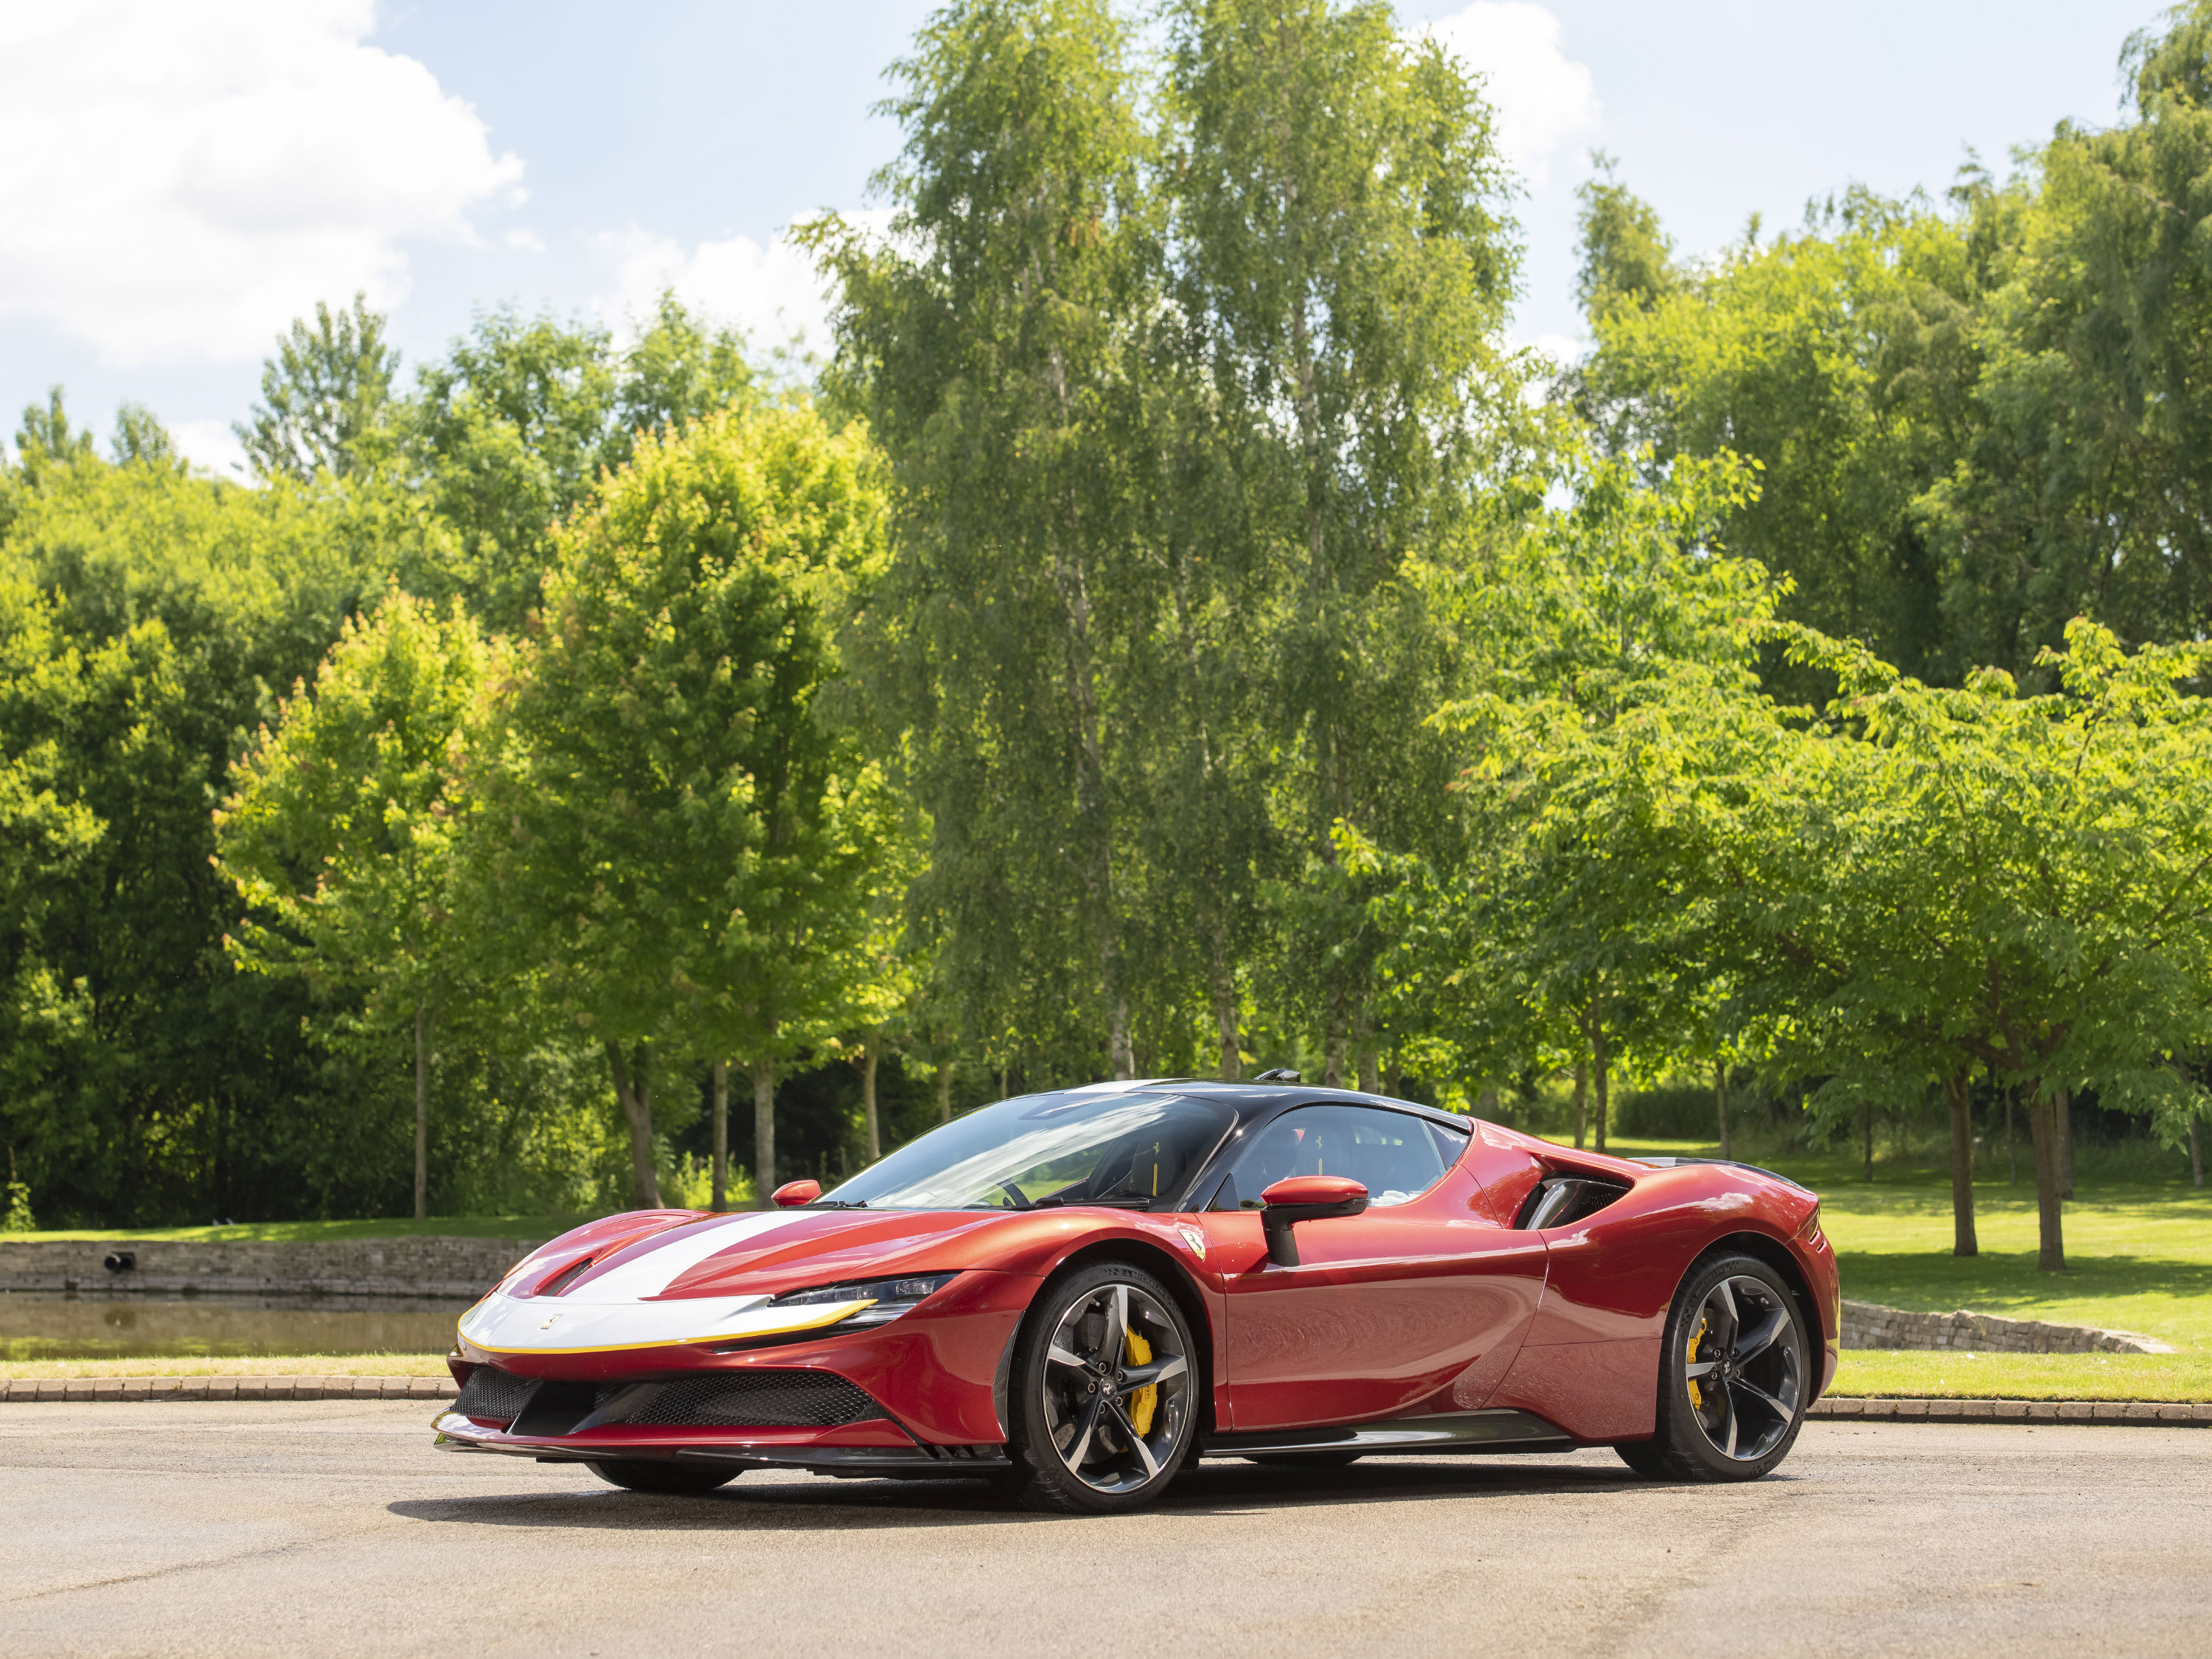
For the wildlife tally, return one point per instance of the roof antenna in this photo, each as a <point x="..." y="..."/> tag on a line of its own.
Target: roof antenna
<point x="1278" y="1074"/>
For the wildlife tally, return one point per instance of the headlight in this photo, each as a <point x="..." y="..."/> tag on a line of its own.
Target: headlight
<point x="889" y="1297"/>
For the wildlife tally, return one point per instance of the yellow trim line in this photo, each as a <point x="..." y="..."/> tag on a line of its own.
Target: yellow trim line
<point x="841" y="1312"/>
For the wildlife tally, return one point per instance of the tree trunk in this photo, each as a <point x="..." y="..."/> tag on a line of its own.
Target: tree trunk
<point x="1959" y="1091"/>
<point x="868" y="1093"/>
<point x="2196" y="1155"/>
<point x="1720" y="1101"/>
<point x="1602" y="1079"/>
<point x="2063" y="1114"/>
<point x="1370" y="1074"/>
<point x="721" y="1199"/>
<point x="1223" y="987"/>
<point x="1581" y="1078"/>
<point x="944" y="1091"/>
<point x="1331" y="1066"/>
<point x="1866" y="1116"/>
<point x="632" y="1093"/>
<point x="762" y="1072"/>
<point x="1394" y="1077"/>
<point x="422" y="1114"/>
<point x="2043" y="1130"/>
<point x="2012" y="1147"/>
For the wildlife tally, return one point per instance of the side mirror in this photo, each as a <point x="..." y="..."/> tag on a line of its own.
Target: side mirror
<point x="792" y="1193"/>
<point x="1304" y="1198"/>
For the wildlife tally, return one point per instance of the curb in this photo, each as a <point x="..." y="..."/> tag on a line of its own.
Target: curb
<point x="86" y="1389"/>
<point x="2147" y="1413"/>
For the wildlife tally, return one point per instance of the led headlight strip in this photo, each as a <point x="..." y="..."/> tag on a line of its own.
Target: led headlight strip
<point x="882" y="1299"/>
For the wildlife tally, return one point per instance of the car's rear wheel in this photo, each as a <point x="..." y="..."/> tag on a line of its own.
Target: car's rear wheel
<point x="1733" y="1377"/>
<point x="1103" y="1392"/>
<point x="663" y="1474"/>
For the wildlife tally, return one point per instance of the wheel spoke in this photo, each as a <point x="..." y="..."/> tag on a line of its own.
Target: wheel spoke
<point x="1727" y="1411"/>
<point x="1762" y="1335"/>
<point x="1081" y="1449"/>
<point x="1137" y="1441"/>
<point x="1059" y="1356"/>
<point x="1113" y="1342"/>
<point x="1160" y="1370"/>
<point x="1785" y="1413"/>
<point x="1730" y="1317"/>
<point x="1703" y="1368"/>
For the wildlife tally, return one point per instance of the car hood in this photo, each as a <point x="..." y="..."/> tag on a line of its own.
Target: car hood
<point x="663" y="1277"/>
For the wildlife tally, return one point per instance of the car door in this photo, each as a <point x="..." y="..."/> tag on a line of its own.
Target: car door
<point x="1417" y="1305"/>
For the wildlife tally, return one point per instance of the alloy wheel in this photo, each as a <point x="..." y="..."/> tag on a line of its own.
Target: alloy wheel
<point x="1116" y="1389"/>
<point x="1744" y="1366"/>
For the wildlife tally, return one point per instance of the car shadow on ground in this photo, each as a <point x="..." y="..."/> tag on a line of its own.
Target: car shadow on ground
<point x="778" y="1501"/>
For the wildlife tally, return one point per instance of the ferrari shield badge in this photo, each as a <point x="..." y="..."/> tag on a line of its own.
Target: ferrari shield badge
<point x="1195" y="1237"/>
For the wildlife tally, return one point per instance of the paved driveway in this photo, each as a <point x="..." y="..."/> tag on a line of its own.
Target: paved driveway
<point x="333" y="1528"/>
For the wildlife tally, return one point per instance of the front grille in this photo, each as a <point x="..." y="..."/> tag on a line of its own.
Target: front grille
<point x="757" y="1398"/>
<point x="493" y="1394"/>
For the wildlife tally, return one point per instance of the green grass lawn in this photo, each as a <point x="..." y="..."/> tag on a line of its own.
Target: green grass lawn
<point x="445" y="1226"/>
<point x="2138" y="1253"/>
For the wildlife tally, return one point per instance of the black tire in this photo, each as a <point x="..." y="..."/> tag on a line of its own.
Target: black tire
<point x="1646" y="1457"/>
<point x="1103" y="1393"/>
<point x="1313" y="1459"/>
<point x="663" y="1474"/>
<point x="1735" y="1376"/>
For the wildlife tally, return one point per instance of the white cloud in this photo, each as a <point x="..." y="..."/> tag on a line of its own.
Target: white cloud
<point x="773" y="293"/>
<point x="1543" y="98"/>
<point x="184" y="177"/>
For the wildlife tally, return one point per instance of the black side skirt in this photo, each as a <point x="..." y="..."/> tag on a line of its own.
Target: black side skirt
<point x="1500" y="1430"/>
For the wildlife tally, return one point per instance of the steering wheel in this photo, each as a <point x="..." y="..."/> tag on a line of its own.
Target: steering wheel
<point x="1021" y="1199"/>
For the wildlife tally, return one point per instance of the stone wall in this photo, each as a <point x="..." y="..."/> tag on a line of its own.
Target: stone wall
<point x="353" y="1266"/>
<point x="1870" y="1325"/>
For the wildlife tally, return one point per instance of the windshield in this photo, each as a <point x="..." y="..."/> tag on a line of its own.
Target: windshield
<point x="1042" y="1151"/>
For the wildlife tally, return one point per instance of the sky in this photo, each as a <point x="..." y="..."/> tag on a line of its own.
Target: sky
<point x="186" y="176"/>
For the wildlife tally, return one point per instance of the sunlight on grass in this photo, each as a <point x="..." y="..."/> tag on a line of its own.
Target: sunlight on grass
<point x="2023" y="1375"/>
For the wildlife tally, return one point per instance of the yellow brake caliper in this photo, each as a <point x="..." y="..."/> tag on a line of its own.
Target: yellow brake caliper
<point x="1141" y="1402"/>
<point x="1697" y="1395"/>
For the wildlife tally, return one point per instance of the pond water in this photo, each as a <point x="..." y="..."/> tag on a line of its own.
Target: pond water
<point x="55" y="1325"/>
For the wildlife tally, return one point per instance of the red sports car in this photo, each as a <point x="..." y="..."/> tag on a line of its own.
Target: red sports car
<point x="1076" y="1293"/>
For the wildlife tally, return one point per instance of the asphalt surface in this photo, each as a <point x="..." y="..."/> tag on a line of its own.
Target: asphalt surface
<point x="334" y="1527"/>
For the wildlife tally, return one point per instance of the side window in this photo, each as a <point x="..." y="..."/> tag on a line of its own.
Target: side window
<point x="1392" y="1154"/>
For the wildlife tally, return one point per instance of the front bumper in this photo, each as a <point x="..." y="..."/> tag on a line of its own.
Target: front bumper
<point x="922" y="1389"/>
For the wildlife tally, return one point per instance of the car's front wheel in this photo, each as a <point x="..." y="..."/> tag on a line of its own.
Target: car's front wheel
<point x="1734" y="1380"/>
<point x="662" y="1474"/>
<point x="1103" y="1392"/>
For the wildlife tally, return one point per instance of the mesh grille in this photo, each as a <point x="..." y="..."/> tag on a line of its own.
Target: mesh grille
<point x="758" y="1399"/>
<point x="493" y="1393"/>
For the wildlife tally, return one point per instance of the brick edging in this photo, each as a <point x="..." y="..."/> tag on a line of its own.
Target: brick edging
<point x="2145" y="1412"/>
<point x="92" y="1388"/>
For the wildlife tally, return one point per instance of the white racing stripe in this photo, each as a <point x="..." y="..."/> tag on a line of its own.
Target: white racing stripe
<point x="661" y="1266"/>
<point x="614" y="1310"/>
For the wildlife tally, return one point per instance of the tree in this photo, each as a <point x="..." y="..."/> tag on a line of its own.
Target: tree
<point x="991" y="342"/>
<point x="1341" y="261"/>
<point x="341" y="830"/>
<point x="324" y="396"/>
<point x="678" y="837"/>
<point x="1936" y="880"/>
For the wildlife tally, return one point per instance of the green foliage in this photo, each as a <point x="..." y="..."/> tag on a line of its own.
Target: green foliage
<point x="327" y="395"/>
<point x="675" y="836"/>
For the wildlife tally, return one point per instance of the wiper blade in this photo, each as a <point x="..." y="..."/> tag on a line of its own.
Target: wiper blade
<point x="838" y="1204"/>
